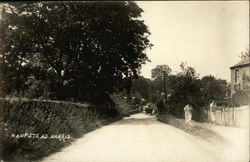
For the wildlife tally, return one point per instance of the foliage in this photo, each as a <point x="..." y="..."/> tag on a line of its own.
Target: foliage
<point x="185" y="87"/>
<point x="188" y="88"/>
<point x="158" y="83"/>
<point x="188" y="71"/>
<point x="246" y="54"/>
<point x="45" y="117"/>
<point x="213" y="88"/>
<point x="79" y="50"/>
<point x="160" y="70"/>
<point x="245" y="81"/>
<point x="142" y="85"/>
<point x="240" y="98"/>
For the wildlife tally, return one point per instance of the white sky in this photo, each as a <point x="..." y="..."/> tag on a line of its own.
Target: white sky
<point x="209" y="36"/>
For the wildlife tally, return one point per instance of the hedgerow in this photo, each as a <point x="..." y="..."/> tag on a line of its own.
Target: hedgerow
<point x="35" y="128"/>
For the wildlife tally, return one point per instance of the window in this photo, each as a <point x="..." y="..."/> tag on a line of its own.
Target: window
<point x="237" y="75"/>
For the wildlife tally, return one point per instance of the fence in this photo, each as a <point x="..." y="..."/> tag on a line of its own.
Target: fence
<point x="233" y="116"/>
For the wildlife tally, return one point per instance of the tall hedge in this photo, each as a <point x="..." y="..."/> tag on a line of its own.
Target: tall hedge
<point x="60" y="121"/>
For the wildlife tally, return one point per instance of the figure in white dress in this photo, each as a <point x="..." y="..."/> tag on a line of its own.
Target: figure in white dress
<point x="212" y="112"/>
<point x="188" y="113"/>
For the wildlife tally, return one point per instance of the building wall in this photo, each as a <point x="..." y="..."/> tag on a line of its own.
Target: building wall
<point x="239" y="83"/>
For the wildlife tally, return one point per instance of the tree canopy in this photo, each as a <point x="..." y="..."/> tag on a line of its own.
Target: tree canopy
<point x="214" y="88"/>
<point x="185" y="87"/>
<point x="245" y="54"/>
<point x="75" y="49"/>
<point x="159" y="71"/>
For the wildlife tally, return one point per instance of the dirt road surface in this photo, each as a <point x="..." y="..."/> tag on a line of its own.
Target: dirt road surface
<point x="141" y="138"/>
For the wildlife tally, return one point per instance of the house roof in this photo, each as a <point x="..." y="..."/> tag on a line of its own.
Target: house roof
<point x="243" y="62"/>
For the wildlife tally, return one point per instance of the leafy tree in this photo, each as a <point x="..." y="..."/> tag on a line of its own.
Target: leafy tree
<point x="160" y="70"/>
<point x="213" y="88"/>
<point x="185" y="88"/>
<point x="188" y="71"/>
<point x="157" y="75"/>
<point x="246" y="81"/>
<point x="80" y="49"/>
<point x="245" y="55"/>
<point x="141" y="85"/>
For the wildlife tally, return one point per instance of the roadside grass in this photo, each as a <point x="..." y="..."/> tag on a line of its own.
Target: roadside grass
<point x="193" y="129"/>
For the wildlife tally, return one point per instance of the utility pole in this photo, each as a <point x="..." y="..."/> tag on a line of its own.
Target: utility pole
<point x="164" y="84"/>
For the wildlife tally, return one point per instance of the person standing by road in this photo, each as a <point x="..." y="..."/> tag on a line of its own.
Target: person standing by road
<point x="142" y="103"/>
<point x="161" y="103"/>
<point x="154" y="98"/>
<point x="212" y="112"/>
<point x="154" y="109"/>
<point x="188" y="113"/>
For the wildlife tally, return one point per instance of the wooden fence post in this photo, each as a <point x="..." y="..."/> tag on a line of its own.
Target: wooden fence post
<point x="233" y="115"/>
<point x="221" y="116"/>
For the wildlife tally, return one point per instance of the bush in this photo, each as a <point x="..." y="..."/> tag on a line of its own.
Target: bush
<point x="49" y="118"/>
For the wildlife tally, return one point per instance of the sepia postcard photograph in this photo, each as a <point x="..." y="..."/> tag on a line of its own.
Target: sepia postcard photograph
<point x="124" y="81"/>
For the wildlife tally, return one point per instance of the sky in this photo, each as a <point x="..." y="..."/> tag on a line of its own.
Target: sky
<point x="207" y="35"/>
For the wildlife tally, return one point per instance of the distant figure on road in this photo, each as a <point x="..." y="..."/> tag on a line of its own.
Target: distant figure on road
<point x="212" y="112"/>
<point x="155" y="97"/>
<point x="167" y="102"/>
<point x="161" y="103"/>
<point x="155" y="110"/>
<point x="188" y="113"/>
<point x="142" y="104"/>
<point x="147" y="108"/>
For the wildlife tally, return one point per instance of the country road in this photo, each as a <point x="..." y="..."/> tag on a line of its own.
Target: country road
<point x="142" y="138"/>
